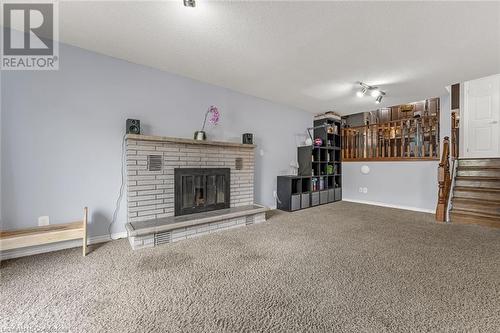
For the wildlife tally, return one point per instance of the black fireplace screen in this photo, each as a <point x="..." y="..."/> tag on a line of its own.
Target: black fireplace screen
<point x="200" y="190"/>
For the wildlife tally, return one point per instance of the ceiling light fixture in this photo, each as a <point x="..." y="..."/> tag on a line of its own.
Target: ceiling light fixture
<point x="190" y="3"/>
<point x="374" y="92"/>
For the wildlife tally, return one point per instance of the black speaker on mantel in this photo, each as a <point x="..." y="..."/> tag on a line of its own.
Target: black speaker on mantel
<point x="133" y="126"/>
<point x="247" y="139"/>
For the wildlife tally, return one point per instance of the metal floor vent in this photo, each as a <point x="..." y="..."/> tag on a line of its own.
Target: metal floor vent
<point x="154" y="162"/>
<point x="164" y="237"/>
<point x="250" y="220"/>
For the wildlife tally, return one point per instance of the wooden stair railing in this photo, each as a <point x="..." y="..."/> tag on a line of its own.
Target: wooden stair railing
<point x="444" y="181"/>
<point x="405" y="139"/>
<point x="455" y="132"/>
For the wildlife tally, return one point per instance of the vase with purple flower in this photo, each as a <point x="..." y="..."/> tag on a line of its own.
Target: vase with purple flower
<point x="214" y="120"/>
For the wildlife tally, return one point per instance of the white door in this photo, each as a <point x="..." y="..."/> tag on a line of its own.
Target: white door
<point x="482" y="117"/>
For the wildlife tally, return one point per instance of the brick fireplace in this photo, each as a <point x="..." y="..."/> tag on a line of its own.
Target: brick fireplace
<point x="153" y="165"/>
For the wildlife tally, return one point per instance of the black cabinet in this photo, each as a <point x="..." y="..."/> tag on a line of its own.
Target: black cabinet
<point x="293" y="192"/>
<point x="319" y="179"/>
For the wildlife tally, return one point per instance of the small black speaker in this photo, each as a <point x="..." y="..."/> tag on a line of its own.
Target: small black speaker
<point x="133" y="126"/>
<point x="248" y="139"/>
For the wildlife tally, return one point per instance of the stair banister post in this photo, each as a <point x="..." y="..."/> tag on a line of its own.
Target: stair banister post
<point x="444" y="182"/>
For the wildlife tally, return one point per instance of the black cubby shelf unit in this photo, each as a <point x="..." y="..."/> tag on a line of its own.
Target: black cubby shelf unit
<point x="319" y="179"/>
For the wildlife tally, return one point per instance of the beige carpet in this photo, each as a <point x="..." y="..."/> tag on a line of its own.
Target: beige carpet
<point x="341" y="267"/>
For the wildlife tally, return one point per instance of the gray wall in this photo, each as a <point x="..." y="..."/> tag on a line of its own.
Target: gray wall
<point x="61" y="133"/>
<point x="405" y="184"/>
<point x="411" y="185"/>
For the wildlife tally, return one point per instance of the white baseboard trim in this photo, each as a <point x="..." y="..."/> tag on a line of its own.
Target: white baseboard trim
<point x="382" y="204"/>
<point x="28" y="251"/>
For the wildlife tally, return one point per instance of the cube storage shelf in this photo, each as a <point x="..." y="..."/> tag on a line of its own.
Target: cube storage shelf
<point x="319" y="179"/>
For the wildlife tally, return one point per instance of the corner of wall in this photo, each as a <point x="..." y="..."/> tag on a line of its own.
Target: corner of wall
<point x="1" y="157"/>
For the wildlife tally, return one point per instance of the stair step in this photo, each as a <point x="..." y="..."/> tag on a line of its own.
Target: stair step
<point x="476" y="195"/>
<point x="480" y="162"/>
<point x="466" y="217"/>
<point x="484" y="182"/>
<point x="477" y="206"/>
<point x="479" y="201"/>
<point x="490" y="172"/>
<point x="490" y="194"/>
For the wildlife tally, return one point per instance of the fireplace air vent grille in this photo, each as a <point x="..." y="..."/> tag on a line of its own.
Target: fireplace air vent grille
<point x="163" y="237"/>
<point x="154" y="162"/>
<point x="239" y="163"/>
<point x="249" y="220"/>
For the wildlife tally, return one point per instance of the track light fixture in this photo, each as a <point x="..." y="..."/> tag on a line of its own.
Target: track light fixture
<point x="374" y="92"/>
<point x="190" y="3"/>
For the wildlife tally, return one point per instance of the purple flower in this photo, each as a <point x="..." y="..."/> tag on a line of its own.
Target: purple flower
<point x="214" y="116"/>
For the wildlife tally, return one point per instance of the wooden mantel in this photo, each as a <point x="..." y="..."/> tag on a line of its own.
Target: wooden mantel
<point x="187" y="141"/>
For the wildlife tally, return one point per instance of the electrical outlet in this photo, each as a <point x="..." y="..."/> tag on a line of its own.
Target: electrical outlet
<point x="365" y="190"/>
<point x="360" y="190"/>
<point x="43" y="220"/>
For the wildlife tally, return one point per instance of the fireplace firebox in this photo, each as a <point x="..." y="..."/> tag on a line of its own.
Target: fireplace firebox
<point x="201" y="189"/>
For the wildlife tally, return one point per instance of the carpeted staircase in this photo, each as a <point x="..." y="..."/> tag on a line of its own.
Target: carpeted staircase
<point x="476" y="195"/>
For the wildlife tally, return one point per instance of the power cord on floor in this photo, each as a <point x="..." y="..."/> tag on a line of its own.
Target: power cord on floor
<point x="275" y="195"/>
<point x="122" y="185"/>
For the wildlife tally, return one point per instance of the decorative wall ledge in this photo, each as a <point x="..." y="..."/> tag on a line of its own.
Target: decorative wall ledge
<point x="186" y="141"/>
<point x="391" y="159"/>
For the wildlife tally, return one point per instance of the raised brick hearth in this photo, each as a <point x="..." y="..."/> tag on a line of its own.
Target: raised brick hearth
<point x="151" y="161"/>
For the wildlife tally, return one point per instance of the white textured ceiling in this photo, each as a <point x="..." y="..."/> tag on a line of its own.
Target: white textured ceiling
<point x="304" y="54"/>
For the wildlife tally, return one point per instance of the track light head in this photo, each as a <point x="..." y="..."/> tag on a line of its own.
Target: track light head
<point x="362" y="92"/>
<point x="190" y="3"/>
<point x="364" y="89"/>
<point x="379" y="98"/>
